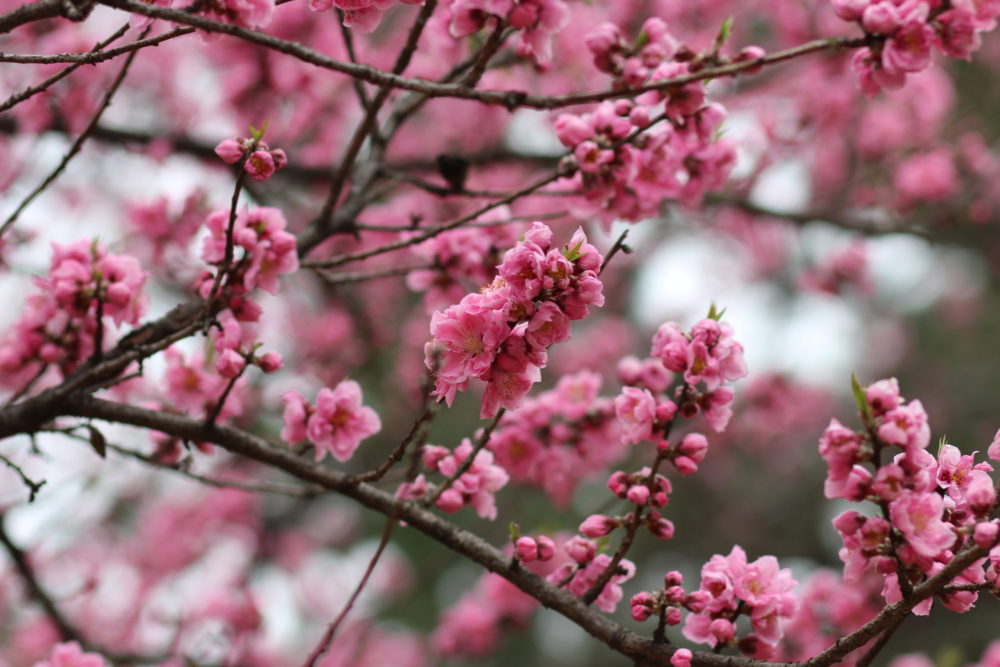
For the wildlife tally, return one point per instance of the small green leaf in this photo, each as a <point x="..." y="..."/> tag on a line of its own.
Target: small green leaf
<point x="256" y="134"/>
<point x="941" y="443"/>
<point x="725" y="31"/>
<point x="714" y="313"/>
<point x="515" y="531"/>
<point x="602" y="544"/>
<point x="640" y="41"/>
<point x="573" y="254"/>
<point x="861" y="399"/>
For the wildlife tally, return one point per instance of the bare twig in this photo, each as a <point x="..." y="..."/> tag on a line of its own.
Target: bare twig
<point x="77" y="145"/>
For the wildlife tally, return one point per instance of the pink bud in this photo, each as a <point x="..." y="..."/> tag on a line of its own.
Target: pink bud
<point x="673" y="578"/>
<point x="723" y="630"/>
<point x="638" y="495"/>
<point x="685" y="466"/>
<point x="526" y="549"/>
<point x="681" y="657"/>
<point x="674" y="617"/>
<point x="597" y="525"/>
<point x="986" y="534"/>
<point x="229" y="151"/>
<point x="450" y="501"/>
<point x="694" y="446"/>
<point x="546" y="548"/>
<point x="641" y="613"/>
<point x="270" y="362"/>
<point x="666" y="410"/>
<point x="580" y="550"/>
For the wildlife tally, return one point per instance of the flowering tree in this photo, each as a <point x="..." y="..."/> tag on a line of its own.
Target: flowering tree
<point x="279" y="267"/>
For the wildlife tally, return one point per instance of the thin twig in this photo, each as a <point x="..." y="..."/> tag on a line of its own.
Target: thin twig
<point x="77" y="145"/>
<point x="28" y="93"/>
<point x="324" y="642"/>
<point x="33" y="486"/>
<point x="484" y="437"/>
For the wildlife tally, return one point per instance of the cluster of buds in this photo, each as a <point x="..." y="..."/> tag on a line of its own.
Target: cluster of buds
<point x="476" y="486"/>
<point x="530" y="549"/>
<point x="260" y="161"/>
<point x="687" y="454"/>
<point x="639" y="488"/>
<point x="667" y="601"/>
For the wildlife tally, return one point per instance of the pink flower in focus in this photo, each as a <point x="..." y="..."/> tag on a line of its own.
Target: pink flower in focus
<point x="340" y="422"/>
<point x="919" y="517"/>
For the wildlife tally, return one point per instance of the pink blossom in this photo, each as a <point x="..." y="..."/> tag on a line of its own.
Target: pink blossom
<point x="230" y="151"/>
<point x="919" y="517"/>
<point x="297" y="410"/>
<point x="71" y="655"/>
<point x="340" y="422"/>
<point x="636" y="410"/>
<point x="906" y="426"/>
<point x="909" y="48"/>
<point x="681" y="658"/>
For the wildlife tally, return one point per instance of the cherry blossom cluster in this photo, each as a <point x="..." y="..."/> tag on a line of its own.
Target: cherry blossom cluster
<point x="625" y="174"/>
<point x="844" y="267"/>
<point x="266" y="250"/>
<point x="336" y="424"/>
<point x="537" y="21"/>
<point x="929" y="504"/>
<point x="707" y="356"/>
<point x="909" y="32"/>
<point x="560" y="437"/>
<point x="86" y="285"/>
<point x="501" y="335"/>
<point x="730" y="587"/>
<point x="362" y="16"/>
<point x="259" y="161"/>
<point x="642" y="488"/>
<point x="476" y="486"/>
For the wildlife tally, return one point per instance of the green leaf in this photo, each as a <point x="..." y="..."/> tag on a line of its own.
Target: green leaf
<point x="861" y="400"/>
<point x="573" y="254"/>
<point x="640" y="41"/>
<point x="725" y="31"/>
<point x="941" y="443"/>
<point x="259" y="134"/>
<point x="714" y="313"/>
<point x="515" y="531"/>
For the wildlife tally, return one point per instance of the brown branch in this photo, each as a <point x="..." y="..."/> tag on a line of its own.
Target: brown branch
<point x="20" y="560"/>
<point x="509" y="99"/>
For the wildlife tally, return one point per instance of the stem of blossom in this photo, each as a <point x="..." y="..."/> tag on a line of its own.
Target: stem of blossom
<point x="879" y="644"/>
<point x="227" y="258"/>
<point x="633" y="527"/>
<point x="77" y="145"/>
<point x="467" y="463"/>
<point x="347" y="278"/>
<point x="306" y="243"/>
<point x="368" y="124"/>
<point x="327" y="638"/>
<point x="33" y="486"/>
<point x="618" y="246"/>
<point x="421" y="423"/>
<point x="99" y="315"/>
<point x="217" y="408"/>
<point x="20" y="560"/>
<point x="28" y="385"/>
